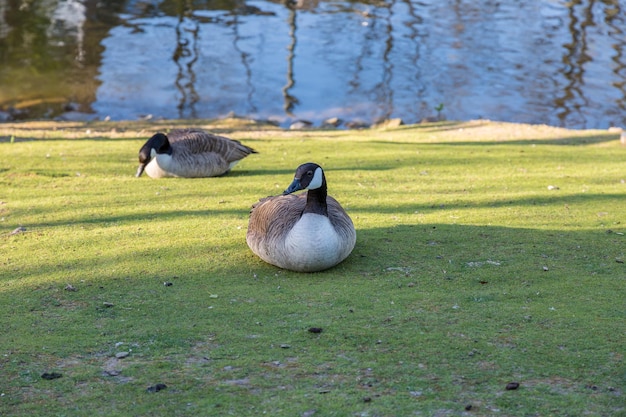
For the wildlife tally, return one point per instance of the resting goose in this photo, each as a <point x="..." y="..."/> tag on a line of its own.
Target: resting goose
<point x="307" y="232"/>
<point x="190" y="153"/>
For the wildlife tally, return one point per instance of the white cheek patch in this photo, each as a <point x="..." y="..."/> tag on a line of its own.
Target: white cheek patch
<point x="316" y="182"/>
<point x="153" y="153"/>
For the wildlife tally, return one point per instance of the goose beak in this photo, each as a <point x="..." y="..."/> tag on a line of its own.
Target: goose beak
<point x="140" y="170"/>
<point x="295" y="186"/>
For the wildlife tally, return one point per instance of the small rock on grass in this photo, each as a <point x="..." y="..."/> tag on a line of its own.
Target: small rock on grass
<point x="315" y="330"/>
<point x="19" y="230"/>
<point x="111" y="372"/>
<point x="512" y="386"/>
<point x="76" y="116"/>
<point x="300" y="124"/>
<point x="156" y="388"/>
<point x="389" y="123"/>
<point x="332" y="122"/>
<point x="51" y="375"/>
<point x="356" y="124"/>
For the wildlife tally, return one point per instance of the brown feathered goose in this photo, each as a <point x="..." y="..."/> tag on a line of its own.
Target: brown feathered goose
<point x="307" y="232"/>
<point x="190" y="153"/>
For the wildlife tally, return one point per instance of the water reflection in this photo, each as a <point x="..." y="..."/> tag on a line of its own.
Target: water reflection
<point x="557" y="62"/>
<point x="290" y="100"/>
<point x="572" y="100"/>
<point x="616" y="21"/>
<point x="185" y="56"/>
<point x="245" y="58"/>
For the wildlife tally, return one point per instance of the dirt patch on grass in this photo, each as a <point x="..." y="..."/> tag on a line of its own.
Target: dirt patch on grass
<point x="456" y="132"/>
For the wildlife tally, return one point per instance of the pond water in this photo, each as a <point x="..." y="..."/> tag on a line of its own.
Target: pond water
<point x="553" y="62"/>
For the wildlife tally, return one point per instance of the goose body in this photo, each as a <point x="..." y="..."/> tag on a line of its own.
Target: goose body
<point x="190" y="153"/>
<point x="307" y="232"/>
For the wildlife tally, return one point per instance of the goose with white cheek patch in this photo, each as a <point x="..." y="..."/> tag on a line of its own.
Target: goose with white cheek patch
<point x="190" y="153"/>
<point x="307" y="232"/>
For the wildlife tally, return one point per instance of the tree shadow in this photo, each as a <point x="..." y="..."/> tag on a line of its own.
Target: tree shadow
<point x="567" y="199"/>
<point x="451" y="252"/>
<point x="408" y="252"/>
<point x="256" y="172"/>
<point x="92" y="221"/>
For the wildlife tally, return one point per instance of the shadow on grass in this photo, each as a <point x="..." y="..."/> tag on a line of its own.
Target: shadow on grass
<point x="104" y="220"/>
<point x="134" y="218"/>
<point x="568" y="199"/>
<point x="432" y="253"/>
<point x="256" y="172"/>
<point x="485" y="266"/>
<point x="419" y="247"/>
<point x="128" y="261"/>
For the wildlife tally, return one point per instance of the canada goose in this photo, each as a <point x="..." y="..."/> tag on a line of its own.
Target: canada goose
<point x="190" y="153"/>
<point x="307" y="232"/>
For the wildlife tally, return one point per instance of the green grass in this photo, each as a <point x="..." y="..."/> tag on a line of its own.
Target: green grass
<point x="468" y="273"/>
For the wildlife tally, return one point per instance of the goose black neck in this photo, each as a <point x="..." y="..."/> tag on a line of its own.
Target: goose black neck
<point x="316" y="201"/>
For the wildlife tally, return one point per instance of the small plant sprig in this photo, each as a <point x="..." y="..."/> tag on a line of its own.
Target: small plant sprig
<point x="439" y="109"/>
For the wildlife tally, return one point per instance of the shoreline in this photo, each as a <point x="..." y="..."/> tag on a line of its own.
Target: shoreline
<point x="501" y="131"/>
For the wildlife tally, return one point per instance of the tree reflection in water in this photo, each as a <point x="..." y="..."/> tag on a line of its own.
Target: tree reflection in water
<point x="289" y="99"/>
<point x="185" y="56"/>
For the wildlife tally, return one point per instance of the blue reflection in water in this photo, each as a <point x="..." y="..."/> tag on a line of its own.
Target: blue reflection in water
<point x="554" y="62"/>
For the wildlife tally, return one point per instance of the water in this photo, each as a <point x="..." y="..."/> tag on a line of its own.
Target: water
<point x="553" y="62"/>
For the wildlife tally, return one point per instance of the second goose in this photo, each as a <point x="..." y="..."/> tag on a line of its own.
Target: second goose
<point x="190" y="153"/>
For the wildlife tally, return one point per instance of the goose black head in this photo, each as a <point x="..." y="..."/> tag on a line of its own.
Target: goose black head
<point x="309" y="176"/>
<point x="155" y="145"/>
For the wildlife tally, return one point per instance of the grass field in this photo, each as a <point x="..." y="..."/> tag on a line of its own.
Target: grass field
<point x="487" y="254"/>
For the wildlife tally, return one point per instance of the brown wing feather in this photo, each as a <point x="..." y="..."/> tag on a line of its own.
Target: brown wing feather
<point x="203" y="142"/>
<point x="208" y="164"/>
<point x="340" y="219"/>
<point x="271" y="218"/>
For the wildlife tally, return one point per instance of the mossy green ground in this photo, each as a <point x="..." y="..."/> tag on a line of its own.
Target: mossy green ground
<point x="486" y="254"/>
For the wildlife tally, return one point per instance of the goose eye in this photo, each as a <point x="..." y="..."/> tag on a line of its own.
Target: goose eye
<point x="309" y="173"/>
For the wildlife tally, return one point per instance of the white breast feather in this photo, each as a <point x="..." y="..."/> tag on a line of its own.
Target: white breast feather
<point x="160" y="166"/>
<point x="313" y="244"/>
